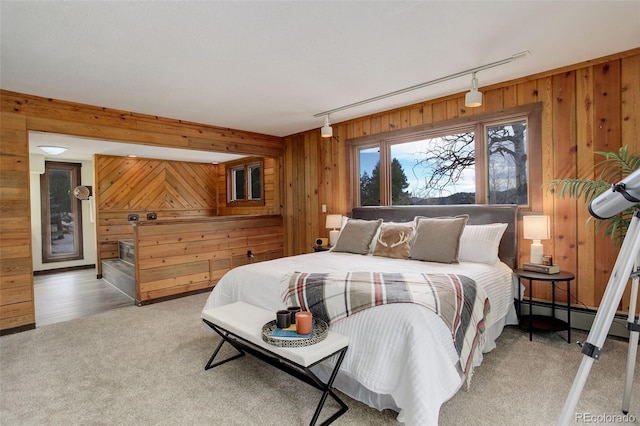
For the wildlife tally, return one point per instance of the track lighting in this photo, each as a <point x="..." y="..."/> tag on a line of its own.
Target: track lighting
<point x="473" y="98"/>
<point x="326" y="131"/>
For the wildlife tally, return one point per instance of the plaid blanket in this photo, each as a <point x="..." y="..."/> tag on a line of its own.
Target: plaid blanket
<point x="456" y="299"/>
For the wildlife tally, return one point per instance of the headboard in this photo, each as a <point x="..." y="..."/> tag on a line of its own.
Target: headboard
<point x="478" y="214"/>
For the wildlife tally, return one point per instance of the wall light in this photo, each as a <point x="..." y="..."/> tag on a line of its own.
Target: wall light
<point x="536" y="228"/>
<point x="53" y="150"/>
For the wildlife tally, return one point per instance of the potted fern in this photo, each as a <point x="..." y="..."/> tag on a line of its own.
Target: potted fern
<point x="615" y="167"/>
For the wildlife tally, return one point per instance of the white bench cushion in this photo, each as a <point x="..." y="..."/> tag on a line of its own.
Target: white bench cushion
<point x="246" y="321"/>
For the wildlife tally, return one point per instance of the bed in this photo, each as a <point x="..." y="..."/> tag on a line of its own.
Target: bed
<point x="401" y="356"/>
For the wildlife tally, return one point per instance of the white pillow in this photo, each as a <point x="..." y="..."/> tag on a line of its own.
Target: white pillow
<point x="479" y="243"/>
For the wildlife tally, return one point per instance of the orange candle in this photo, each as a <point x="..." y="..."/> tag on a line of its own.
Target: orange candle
<point x="304" y="320"/>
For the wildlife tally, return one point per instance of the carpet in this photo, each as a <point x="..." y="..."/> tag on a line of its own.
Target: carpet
<point x="145" y="366"/>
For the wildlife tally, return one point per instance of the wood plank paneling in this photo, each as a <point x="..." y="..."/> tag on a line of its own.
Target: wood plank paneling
<point x="605" y="89"/>
<point x="130" y="186"/>
<point x="173" y="257"/>
<point x="564" y="232"/>
<point x="586" y="107"/>
<point x="172" y="190"/>
<point x="607" y="137"/>
<point x="16" y="270"/>
<point x="585" y="293"/>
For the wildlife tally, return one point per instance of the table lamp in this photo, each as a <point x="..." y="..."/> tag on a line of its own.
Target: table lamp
<point x="536" y="228"/>
<point x="334" y="221"/>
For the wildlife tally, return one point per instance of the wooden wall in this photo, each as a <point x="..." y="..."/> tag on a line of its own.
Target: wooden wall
<point x="21" y="113"/>
<point x="171" y="189"/>
<point x="16" y="267"/>
<point x="588" y="107"/>
<point x="176" y="257"/>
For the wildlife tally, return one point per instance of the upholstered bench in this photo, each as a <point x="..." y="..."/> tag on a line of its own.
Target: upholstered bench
<point x="240" y="324"/>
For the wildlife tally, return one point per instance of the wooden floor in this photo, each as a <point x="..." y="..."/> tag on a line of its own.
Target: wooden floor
<point x="67" y="295"/>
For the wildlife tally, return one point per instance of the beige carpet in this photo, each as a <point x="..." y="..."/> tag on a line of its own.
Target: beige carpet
<point x="145" y="366"/>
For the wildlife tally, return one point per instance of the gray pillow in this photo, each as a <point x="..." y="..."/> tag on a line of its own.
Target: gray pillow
<point x="356" y="236"/>
<point x="438" y="239"/>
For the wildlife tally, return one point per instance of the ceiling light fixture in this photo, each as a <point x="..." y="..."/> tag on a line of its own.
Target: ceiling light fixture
<point x="53" y="150"/>
<point x="326" y="131"/>
<point x="473" y="98"/>
<point x="420" y="86"/>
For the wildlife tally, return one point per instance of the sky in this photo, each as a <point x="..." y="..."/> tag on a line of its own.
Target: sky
<point x="406" y="154"/>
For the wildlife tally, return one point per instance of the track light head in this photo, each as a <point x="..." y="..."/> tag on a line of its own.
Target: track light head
<point x="473" y="98"/>
<point x="326" y="131"/>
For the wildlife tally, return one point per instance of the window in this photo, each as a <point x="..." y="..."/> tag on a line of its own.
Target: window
<point x="486" y="159"/>
<point x="61" y="212"/>
<point x="245" y="181"/>
<point x="369" y="161"/>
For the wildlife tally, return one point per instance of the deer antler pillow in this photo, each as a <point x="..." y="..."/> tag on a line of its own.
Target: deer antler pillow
<point x="394" y="241"/>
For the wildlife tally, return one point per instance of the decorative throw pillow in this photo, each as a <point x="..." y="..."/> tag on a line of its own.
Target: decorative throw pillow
<point x="394" y="241"/>
<point x="480" y="243"/>
<point x="438" y="239"/>
<point x="357" y="235"/>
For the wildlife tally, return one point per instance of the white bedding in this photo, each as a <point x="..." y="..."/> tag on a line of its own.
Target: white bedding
<point x="401" y="356"/>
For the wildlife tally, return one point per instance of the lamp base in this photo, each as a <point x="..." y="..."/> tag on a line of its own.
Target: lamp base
<point x="333" y="238"/>
<point x="536" y="252"/>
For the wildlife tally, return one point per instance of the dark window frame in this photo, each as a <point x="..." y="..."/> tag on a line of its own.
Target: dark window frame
<point x="245" y="165"/>
<point x="478" y="122"/>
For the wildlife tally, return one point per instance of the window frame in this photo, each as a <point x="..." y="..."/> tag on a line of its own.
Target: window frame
<point x="244" y="164"/>
<point x="477" y="123"/>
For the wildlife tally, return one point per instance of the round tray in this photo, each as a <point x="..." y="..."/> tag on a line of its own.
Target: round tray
<point x="318" y="334"/>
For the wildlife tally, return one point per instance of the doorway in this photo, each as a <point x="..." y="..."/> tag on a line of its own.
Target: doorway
<point x="62" y="236"/>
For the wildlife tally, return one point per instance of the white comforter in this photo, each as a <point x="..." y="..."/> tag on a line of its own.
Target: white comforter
<point x="401" y="356"/>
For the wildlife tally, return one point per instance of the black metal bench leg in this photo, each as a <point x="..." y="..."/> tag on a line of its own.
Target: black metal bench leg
<point x="225" y="338"/>
<point x="326" y="388"/>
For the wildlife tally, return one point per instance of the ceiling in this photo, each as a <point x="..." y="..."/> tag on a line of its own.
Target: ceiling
<point x="269" y="66"/>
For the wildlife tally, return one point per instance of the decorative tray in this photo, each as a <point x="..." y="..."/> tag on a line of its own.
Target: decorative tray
<point x="318" y="334"/>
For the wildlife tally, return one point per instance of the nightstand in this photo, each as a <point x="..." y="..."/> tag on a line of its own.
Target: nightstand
<point x="542" y="322"/>
<point x="321" y="248"/>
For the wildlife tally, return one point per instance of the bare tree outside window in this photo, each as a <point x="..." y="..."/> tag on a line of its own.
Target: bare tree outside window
<point x="507" y="172"/>
<point x="494" y="159"/>
<point x="443" y="163"/>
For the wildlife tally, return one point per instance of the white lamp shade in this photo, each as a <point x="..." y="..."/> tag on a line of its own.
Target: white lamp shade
<point x="536" y="227"/>
<point x="334" y="221"/>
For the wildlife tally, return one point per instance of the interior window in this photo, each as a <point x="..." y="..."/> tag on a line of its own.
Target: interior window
<point x="245" y="181"/>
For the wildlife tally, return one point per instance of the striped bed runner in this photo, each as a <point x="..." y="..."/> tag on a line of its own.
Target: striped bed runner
<point x="456" y="299"/>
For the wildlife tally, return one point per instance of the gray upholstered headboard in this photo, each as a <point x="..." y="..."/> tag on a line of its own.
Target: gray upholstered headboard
<point x="478" y="214"/>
